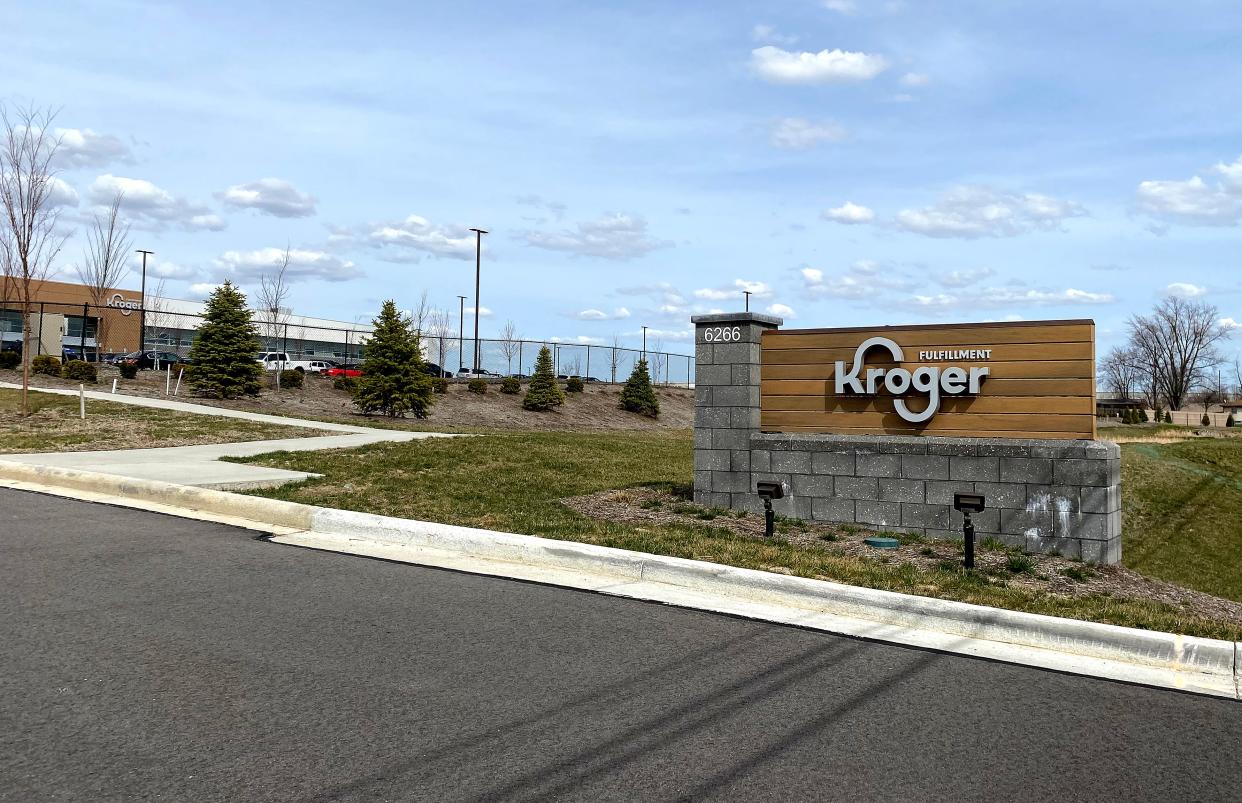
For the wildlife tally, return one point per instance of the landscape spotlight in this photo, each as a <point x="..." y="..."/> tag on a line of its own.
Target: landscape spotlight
<point x="967" y="504"/>
<point x="769" y="490"/>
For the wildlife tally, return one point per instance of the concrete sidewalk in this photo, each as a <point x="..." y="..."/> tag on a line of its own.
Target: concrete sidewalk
<point x="200" y="466"/>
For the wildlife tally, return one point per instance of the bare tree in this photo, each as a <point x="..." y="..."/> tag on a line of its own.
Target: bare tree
<point x="614" y="358"/>
<point x="658" y="360"/>
<point x="272" y="298"/>
<point x="510" y="343"/>
<point x="33" y="239"/>
<point x="1121" y="370"/>
<point x="420" y="314"/>
<point x="160" y="317"/>
<point x="1178" y="341"/>
<point x="103" y="264"/>
<point x="440" y="327"/>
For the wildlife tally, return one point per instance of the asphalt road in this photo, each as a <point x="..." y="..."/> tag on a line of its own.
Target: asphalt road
<point x="148" y="657"/>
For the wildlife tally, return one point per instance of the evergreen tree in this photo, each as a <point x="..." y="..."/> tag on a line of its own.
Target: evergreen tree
<point x="224" y="351"/>
<point x="543" y="393"/>
<point x="638" y="396"/>
<point x="393" y="380"/>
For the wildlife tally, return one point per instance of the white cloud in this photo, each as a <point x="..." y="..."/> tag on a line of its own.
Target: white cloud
<point x="61" y="194"/>
<point x="1196" y="201"/>
<point x="756" y="289"/>
<point x="849" y="213"/>
<point x="171" y="270"/>
<point x="408" y="240"/>
<point x="768" y="35"/>
<point x="612" y="236"/>
<point x="149" y="205"/>
<point x="913" y="79"/>
<point x="1009" y="297"/>
<point x="841" y="6"/>
<point x="678" y="335"/>
<point x="272" y="196"/>
<point x="202" y="289"/>
<point x="864" y="280"/>
<point x="797" y="133"/>
<point x="1185" y="290"/>
<point x="781" y="310"/>
<point x="1230" y="324"/>
<point x="619" y="314"/>
<point x="484" y="312"/>
<point x="971" y="212"/>
<point x="825" y="67"/>
<point x="303" y="264"/>
<point x="963" y="278"/>
<point x="82" y="147"/>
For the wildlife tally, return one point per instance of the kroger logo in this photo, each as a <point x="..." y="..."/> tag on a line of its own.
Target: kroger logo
<point x="952" y="381"/>
<point x="119" y="301"/>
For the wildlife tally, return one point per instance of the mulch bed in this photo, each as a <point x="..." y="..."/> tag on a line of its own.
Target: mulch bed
<point x="1046" y="576"/>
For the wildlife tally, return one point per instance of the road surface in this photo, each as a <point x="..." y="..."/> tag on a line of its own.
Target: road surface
<point x="151" y="657"/>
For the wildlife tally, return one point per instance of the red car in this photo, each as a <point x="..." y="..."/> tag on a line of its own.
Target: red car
<point x="339" y="371"/>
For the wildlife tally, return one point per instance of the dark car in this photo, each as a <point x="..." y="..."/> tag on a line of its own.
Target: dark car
<point x="150" y="359"/>
<point x="431" y="369"/>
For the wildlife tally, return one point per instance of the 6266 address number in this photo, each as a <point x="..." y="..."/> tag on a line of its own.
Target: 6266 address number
<point x="722" y="334"/>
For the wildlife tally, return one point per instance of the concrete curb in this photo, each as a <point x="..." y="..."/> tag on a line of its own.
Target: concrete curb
<point x="1205" y="666"/>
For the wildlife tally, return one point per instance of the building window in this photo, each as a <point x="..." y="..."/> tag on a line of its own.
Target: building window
<point x="73" y="326"/>
<point x="10" y="321"/>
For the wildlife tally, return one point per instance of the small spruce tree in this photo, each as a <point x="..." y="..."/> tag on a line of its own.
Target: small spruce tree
<point x="638" y="396"/>
<point x="1229" y="422"/>
<point x="224" y="351"/>
<point x="393" y="381"/>
<point x="1142" y="416"/>
<point x="1205" y="421"/>
<point x="1168" y="416"/>
<point x="543" y="393"/>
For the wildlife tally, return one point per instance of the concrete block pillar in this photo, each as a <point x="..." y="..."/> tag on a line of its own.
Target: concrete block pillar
<point x="726" y="403"/>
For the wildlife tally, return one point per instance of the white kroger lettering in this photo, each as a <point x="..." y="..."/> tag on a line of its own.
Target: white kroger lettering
<point x="929" y="379"/>
<point x="118" y="301"/>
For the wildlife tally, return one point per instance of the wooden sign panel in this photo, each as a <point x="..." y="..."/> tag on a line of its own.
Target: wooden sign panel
<point x="1009" y="380"/>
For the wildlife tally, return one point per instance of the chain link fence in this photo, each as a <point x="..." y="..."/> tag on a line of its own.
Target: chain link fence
<point x="94" y="333"/>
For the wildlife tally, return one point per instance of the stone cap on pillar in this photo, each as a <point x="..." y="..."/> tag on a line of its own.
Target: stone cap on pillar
<point x="738" y="317"/>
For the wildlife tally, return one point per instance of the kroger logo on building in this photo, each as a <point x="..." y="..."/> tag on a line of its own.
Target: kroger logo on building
<point x="951" y="381"/>
<point x="118" y="301"/>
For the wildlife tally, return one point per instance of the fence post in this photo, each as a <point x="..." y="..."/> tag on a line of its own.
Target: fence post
<point x="588" y="368"/>
<point x="82" y="336"/>
<point x="519" y="356"/>
<point x="38" y="350"/>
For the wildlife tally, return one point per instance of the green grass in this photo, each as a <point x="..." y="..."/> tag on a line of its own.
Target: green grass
<point x="54" y="425"/>
<point x="1182" y="508"/>
<point x="513" y="482"/>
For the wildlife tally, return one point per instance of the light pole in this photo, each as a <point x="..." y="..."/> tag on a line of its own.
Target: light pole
<point x="478" y="255"/>
<point x="461" y="333"/>
<point x="747" y="294"/>
<point x="644" y="342"/>
<point x="142" y="313"/>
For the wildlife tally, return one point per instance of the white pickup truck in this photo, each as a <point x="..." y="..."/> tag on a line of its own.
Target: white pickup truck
<point x="279" y="361"/>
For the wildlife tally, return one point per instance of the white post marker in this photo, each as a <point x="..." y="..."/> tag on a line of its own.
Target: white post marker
<point x="167" y="379"/>
<point x="180" y="374"/>
<point x="82" y="401"/>
<point x="114" y="385"/>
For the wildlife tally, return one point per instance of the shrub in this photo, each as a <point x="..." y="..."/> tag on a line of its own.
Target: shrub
<point x="477" y="385"/>
<point x="292" y="379"/>
<point x="1142" y="414"/>
<point x="638" y="396"/>
<point x="346" y="383"/>
<point x="574" y="385"/>
<point x="394" y="378"/>
<point x="510" y="385"/>
<point x="1168" y="416"/>
<point x="1205" y="421"/>
<point x="543" y="393"/>
<point x="46" y="364"/>
<point x="80" y="370"/>
<point x="1159" y="416"/>
<point x="223" y="353"/>
<point x="10" y="359"/>
<point x="1229" y="422"/>
<point x="439" y="384"/>
<point x="128" y="370"/>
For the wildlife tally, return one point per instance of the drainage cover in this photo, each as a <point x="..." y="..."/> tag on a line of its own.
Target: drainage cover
<point x="880" y="542"/>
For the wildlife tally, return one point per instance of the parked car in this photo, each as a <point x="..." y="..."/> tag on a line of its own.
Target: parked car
<point x="431" y="369"/>
<point x="470" y="373"/>
<point x="152" y="359"/>
<point x="279" y="361"/>
<point x="340" y="371"/>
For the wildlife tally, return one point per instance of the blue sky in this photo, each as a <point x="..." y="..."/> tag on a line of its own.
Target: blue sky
<point x="852" y="162"/>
